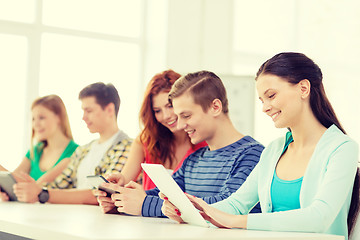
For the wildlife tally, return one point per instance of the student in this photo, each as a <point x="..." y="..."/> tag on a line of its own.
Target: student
<point x="304" y="180"/>
<point x="53" y="141"/>
<point x="159" y="141"/>
<point x="105" y="155"/>
<point x="212" y="172"/>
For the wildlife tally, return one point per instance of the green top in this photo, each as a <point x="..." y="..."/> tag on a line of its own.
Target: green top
<point x="35" y="171"/>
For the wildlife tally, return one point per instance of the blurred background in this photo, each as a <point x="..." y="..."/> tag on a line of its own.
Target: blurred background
<point x="60" y="46"/>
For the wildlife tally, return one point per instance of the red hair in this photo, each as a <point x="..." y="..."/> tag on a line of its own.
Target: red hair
<point x="158" y="139"/>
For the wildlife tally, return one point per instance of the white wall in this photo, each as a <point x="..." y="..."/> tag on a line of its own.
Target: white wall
<point x="201" y="36"/>
<point x="231" y="37"/>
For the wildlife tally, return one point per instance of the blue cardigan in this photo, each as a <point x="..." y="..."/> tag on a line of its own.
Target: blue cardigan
<point x="325" y="193"/>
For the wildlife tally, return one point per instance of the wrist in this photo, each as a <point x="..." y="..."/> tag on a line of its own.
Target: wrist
<point x="243" y="221"/>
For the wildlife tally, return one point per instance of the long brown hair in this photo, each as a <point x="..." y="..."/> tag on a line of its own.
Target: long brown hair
<point x="57" y="106"/>
<point x="294" y="67"/>
<point x="158" y="139"/>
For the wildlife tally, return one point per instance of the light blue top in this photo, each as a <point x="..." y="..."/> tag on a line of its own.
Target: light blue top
<point x="285" y="195"/>
<point x="325" y="193"/>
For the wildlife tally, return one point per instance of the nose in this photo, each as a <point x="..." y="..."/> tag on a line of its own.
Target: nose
<point x="35" y="124"/>
<point x="84" y="116"/>
<point x="167" y="113"/>
<point x="181" y="124"/>
<point x="266" y="107"/>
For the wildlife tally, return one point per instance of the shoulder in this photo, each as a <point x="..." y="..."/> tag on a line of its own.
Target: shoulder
<point x="123" y="143"/>
<point x="333" y="136"/>
<point x="73" y="144"/>
<point x="275" y="145"/>
<point x="248" y="146"/>
<point x="85" y="147"/>
<point x="334" y="140"/>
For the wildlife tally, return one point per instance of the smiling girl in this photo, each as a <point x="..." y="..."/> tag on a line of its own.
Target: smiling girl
<point x="51" y="141"/>
<point x="304" y="180"/>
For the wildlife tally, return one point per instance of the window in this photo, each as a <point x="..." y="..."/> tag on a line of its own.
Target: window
<point x="13" y="64"/>
<point x="59" y="47"/>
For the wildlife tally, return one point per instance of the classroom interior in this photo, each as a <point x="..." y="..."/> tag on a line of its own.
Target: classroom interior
<point x="58" y="47"/>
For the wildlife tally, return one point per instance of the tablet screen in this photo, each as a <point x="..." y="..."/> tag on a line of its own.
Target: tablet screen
<point x="167" y="185"/>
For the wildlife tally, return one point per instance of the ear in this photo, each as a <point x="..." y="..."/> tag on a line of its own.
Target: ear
<point x="110" y="108"/>
<point x="216" y="107"/>
<point x="305" y="87"/>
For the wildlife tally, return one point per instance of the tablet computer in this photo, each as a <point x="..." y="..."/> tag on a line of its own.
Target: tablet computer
<point x="6" y="184"/>
<point x="167" y="185"/>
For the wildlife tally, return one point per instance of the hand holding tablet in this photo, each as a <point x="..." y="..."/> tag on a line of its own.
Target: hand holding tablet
<point x="166" y="184"/>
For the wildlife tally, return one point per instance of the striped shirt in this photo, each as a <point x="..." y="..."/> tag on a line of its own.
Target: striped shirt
<point x="211" y="175"/>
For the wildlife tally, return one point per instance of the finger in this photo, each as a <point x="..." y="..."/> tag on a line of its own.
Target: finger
<point x="211" y="220"/>
<point x="195" y="201"/>
<point x="171" y="209"/>
<point x="107" y="209"/>
<point x="113" y="177"/>
<point x="119" y="204"/>
<point x="106" y="204"/>
<point x="169" y="205"/>
<point x="133" y="185"/>
<point x="104" y="199"/>
<point x="98" y="193"/>
<point x="162" y="196"/>
<point x="117" y="197"/>
<point x="111" y="186"/>
<point x="20" y="185"/>
<point x="176" y="218"/>
<point x="26" y="177"/>
<point x="4" y="197"/>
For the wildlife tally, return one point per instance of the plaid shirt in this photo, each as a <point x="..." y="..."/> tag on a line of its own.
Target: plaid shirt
<point x="112" y="162"/>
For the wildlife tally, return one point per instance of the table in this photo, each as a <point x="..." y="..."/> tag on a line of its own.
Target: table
<point x="60" y="221"/>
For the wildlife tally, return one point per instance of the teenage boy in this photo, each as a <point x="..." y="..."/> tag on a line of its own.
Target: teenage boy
<point x="105" y="155"/>
<point x="213" y="172"/>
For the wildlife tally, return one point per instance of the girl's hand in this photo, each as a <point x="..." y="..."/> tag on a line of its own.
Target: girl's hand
<point x="170" y="210"/>
<point x="216" y="217"/>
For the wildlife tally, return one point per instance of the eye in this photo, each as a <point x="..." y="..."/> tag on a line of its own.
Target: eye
<point x="156" y="111"/>
<point x="185" y="116"/>
<point x="272" y="95"/>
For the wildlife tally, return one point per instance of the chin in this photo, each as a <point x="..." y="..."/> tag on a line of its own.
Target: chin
<point x="92" y="130"/>
<point x="174" y="129"/>
<point x="41" y="139"/>
<point x="195" y="141"/>
<point x="279" y="125"/>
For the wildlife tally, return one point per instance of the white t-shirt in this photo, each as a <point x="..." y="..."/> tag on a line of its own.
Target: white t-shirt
<point x="92" y="160"/>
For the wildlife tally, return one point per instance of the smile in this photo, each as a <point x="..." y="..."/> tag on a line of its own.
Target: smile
<point x="274" y="116"/>
<point x="190" y="132"/>
<point x="171" y="122"/>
